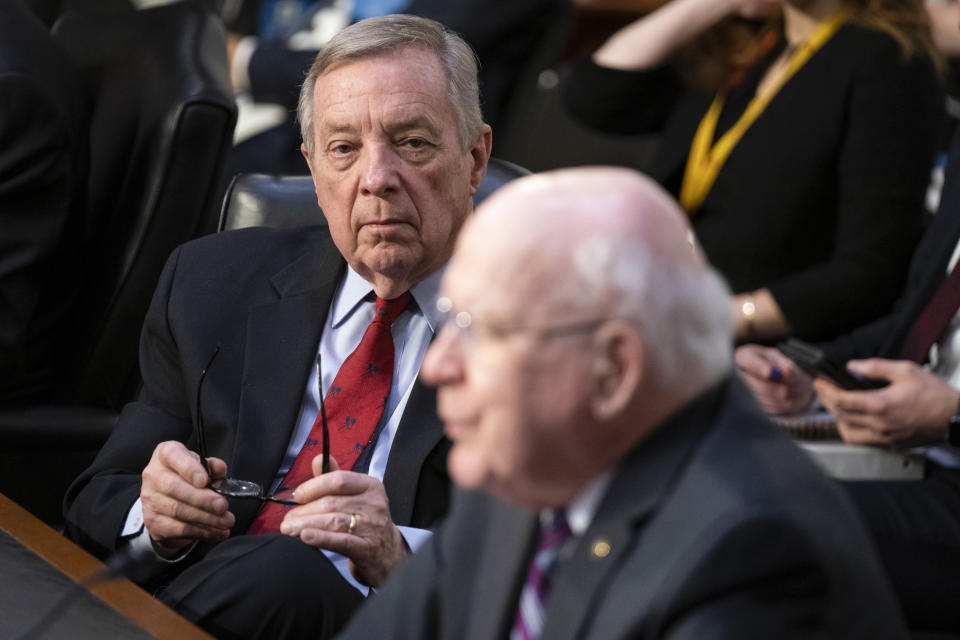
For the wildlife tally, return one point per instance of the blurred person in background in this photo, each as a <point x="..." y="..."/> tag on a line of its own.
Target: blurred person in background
<point x="915" y="350"/>
<point x="800" y="145"/>
<point x="43" y="185"/>
<point x="273" y="42"/>
<point x="915" y="524"/>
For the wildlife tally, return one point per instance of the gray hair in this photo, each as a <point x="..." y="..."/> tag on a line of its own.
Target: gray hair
<point x="387" y="34"/>
<point x="682" y="308"/>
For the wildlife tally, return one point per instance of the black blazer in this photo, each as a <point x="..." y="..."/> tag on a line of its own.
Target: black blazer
<point x="262" y="295"/>
<point x="718" y="526"/>
<point x="822" y="199"/>
<point x="884" y="337"/>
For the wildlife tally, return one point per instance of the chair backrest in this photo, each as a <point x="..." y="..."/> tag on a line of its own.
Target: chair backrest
<point x="260" y="200"/>
<point x="162" y="118"/>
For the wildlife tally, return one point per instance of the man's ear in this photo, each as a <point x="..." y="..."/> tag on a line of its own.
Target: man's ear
<point x="306" y="156"/>
<point x="617" y="369"/>
<point x="480" y="153"/>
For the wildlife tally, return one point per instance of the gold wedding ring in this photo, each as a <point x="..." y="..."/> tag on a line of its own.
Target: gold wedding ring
<point x="353" y="523"/>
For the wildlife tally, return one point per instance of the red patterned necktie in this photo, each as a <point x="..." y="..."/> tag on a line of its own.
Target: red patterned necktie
<point x="934" y="319"/>
<point x="354" y="404"/>
<point x="532" y="607"/>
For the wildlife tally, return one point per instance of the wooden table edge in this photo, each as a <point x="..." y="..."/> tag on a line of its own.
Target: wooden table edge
<point x="122" y="595"/>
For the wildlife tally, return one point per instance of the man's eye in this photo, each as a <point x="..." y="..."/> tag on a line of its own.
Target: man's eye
<point x="490" y="332"/>
<point x="415" y="143"/>
<point x="341" y="149"/>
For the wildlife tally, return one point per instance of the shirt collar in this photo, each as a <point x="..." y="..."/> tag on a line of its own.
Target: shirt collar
<point x="354" y="290"/>
<point x="581" y="509"/>
<point x="426" y="292"/>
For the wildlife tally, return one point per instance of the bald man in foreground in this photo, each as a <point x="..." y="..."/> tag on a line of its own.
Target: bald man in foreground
<point x="628" y="486"/>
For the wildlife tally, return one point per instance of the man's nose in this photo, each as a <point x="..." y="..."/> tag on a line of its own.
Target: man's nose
<point x="443" y="363"/>
<point x="379" y="171"/>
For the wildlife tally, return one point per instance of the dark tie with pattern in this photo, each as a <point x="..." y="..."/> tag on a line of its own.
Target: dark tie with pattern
<point x="934" y="319"/>
<point x="354" y="404"/>
<point x="533" y="599"/>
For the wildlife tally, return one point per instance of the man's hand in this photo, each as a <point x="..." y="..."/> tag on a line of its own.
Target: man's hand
<point x="778" y="384"/>
<point x="914" y="409"/>
<point x="178" y="509"/>
<point x="330" y="501"/>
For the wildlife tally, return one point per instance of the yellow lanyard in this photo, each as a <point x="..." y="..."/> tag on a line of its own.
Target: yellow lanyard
<point x="705" y="162"/>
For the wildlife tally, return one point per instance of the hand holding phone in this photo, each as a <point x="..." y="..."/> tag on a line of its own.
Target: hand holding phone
<point x="817" y="364"/>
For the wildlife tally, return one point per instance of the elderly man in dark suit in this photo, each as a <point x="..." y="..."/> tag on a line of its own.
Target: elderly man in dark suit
<point x="396" y="146"/>
<point x="631" y="487"/>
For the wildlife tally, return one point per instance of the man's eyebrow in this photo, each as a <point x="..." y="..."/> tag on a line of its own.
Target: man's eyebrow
<point x="328" y="128"/>
<point x="415" y="122"/>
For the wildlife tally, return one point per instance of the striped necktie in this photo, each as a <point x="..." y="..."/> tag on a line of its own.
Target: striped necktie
<point x="532" y="608"/>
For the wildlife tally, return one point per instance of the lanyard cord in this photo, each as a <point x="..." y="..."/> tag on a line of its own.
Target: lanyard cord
<point x="704" y="162"/>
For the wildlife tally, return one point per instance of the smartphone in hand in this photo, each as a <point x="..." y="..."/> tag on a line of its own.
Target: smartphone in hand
<point x="817" y="364"/>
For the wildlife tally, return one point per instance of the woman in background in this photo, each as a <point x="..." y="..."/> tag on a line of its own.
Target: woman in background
<point x="801" y="148"/>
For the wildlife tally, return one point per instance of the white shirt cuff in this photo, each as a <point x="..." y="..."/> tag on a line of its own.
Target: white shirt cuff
<point x="137" y="536"/>
<point x="415" y="537"/>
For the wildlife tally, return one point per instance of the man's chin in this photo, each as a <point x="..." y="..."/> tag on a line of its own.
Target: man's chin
<point x="390" y="260"/>
<point x="389" y="271"/>
<point x="396" y="242"/>
<point x="467" y="469"/>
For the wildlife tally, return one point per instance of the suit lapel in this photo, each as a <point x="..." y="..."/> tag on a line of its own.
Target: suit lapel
<point x="502" y="573"/>
<point x="581" y="579"/>
<point x="418" y="433"/>
<point x="281" y="346"/>
<point x="638" y="487"/>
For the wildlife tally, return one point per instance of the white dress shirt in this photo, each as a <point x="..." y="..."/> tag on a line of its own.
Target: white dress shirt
<point x="351" y="312"/>
<point x="581" y="509"/>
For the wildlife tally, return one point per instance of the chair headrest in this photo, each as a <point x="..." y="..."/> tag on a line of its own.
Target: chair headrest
<point x="261" y="200"/>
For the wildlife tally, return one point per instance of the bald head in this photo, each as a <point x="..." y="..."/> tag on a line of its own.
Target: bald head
<point x="609" y="241"/>
<point x="602" y="198"/>
<point x="562" y="227"/>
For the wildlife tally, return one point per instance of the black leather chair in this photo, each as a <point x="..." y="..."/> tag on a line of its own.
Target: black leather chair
<point x="162" y="118"/>
<point x="261" y="200"/>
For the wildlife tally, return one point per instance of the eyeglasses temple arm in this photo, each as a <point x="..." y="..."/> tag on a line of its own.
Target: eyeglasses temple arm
<point x="325" y="467"/>
<point x="201" y="442"/>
